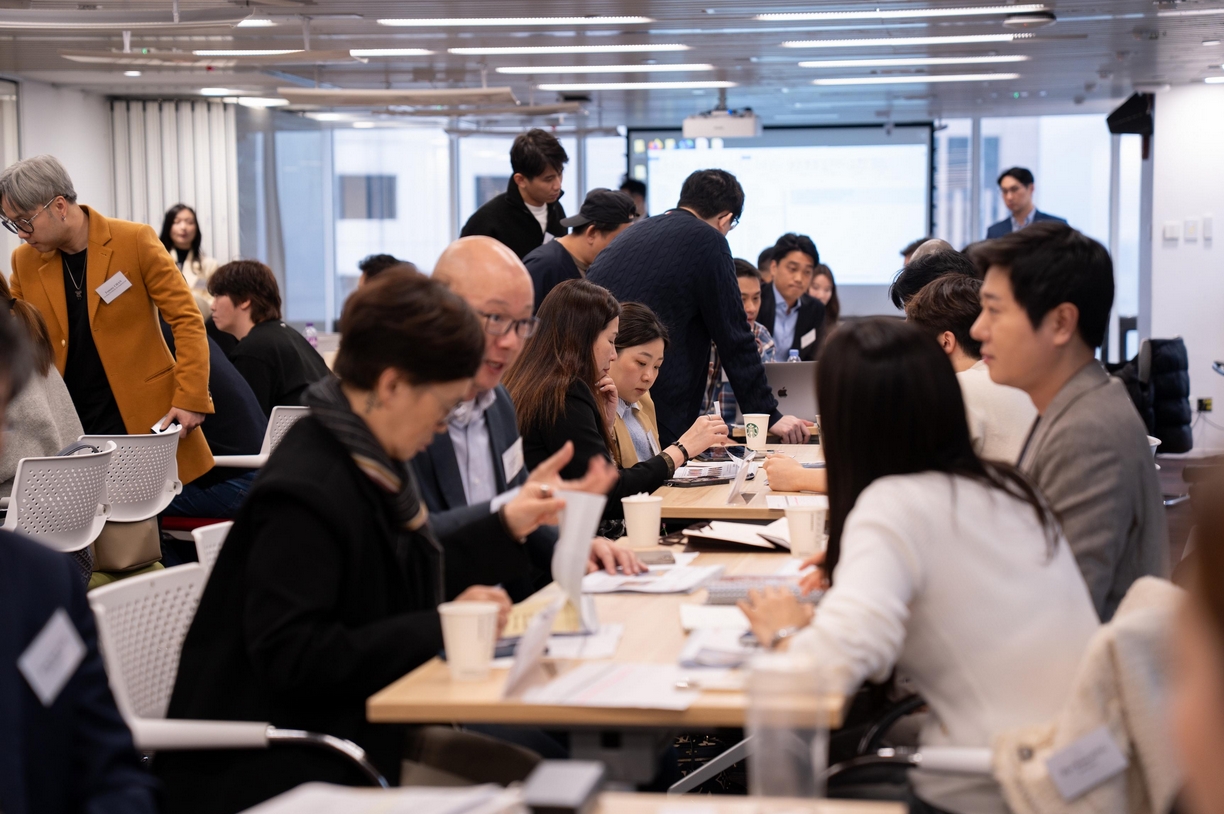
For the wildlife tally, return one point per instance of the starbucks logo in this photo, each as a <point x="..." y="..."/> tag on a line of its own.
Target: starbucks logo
<point x="751" y="430"/>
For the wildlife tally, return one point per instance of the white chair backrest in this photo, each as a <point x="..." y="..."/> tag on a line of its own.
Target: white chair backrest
<point x="142" y="622"/>
<point x="143" y="476"/>
<point x="61" y="501"/>
<point x="279" y="423"/>
<point x="208" y="541"/>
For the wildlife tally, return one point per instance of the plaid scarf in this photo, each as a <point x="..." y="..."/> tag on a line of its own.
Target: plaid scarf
<point x="395" y="481"/>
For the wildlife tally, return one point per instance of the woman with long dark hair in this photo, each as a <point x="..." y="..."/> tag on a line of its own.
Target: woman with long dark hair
<point x="562" y="391"/>
<point x="947" y="567"/>
<point x="180" y="234"/>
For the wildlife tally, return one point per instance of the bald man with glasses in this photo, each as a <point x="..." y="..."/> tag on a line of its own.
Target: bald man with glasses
<point x="476" y="466"/>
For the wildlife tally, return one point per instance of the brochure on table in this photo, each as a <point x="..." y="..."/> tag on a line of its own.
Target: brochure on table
<point x="579" y="522"/>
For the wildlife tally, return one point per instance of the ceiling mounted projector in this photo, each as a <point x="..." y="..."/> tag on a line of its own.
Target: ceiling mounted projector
<point x="723" y="124"/>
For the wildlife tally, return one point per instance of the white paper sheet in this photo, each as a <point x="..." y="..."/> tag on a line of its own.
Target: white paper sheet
<point x="716" y="647"/>
<point x="782" y="501"/>
<point x="624" y="685"/>
<point x="745" y="533"/>
<point x="677" y="580"/>
<point x="726" y="617"/>
<point x="324" y="798"/>
<point x="579" y="522"/>
<point x="530" y="649"/>
<point x="599" y="645"/>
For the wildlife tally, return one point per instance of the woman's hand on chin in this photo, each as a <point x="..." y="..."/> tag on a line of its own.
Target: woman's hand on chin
<point x="605" y="391"/>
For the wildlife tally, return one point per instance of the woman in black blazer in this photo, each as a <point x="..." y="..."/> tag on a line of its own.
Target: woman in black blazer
<point x="562" y="392"/>
<point x="327" y="586"/>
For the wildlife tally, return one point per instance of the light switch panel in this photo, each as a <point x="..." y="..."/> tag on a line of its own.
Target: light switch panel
<point x="1172" y="231"/>
<point x="1191" y="231"/>
<point x="1206" y="229"/>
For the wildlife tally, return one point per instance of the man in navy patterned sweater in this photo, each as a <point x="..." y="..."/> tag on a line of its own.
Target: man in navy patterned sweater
<point x="680" y="265"/>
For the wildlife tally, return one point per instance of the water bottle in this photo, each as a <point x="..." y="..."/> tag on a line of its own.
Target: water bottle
<point x="793" y="356"/>
<point x="312" y="336"/>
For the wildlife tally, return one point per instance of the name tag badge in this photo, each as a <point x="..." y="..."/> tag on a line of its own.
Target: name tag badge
<point x="807" y="339"/>
<point x="512" y="460"/>
<point x="113" y="287"/>
<point x="52" y="658"/>
<point x="1085" y="763"/>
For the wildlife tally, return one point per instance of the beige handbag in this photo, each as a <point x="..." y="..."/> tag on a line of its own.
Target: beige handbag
<point x="127" y="546"/>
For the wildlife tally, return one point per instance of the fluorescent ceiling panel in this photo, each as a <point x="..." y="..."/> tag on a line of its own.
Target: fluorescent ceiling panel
<point x="915" y="80"/>
<point x="636" y="85"/>
<point x="469" y="22"/>
<point x="952" y="39"/>
<point x="515" y="50"/>
<point x="904" y="13"/>
<point x="562" y="69"/>
<point x="905" y="62"/>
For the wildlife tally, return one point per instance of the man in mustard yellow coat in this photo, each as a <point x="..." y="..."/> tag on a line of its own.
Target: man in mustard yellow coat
<point x="100" y="284"/>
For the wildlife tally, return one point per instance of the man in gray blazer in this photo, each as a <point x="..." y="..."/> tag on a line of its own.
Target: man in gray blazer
<point x="1045" y="309"/>
<point x="475" y="467"/>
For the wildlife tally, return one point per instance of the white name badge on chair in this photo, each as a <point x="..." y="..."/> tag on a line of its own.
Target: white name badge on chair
<point x="52" y="657"/>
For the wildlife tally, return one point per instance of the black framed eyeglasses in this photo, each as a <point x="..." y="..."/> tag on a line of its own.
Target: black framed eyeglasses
<point x="500" y="325"/>
<point x="19" y="225"/>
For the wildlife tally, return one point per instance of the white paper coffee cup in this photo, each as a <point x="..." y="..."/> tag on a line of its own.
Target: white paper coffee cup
<point x="469" y="633"/>
<point x="643" y="515"/>
<point x="806" y="525"/>
<point x="756" y="430"/>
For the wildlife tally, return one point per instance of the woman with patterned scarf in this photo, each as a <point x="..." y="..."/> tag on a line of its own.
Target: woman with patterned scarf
<point x="327" y="587"/>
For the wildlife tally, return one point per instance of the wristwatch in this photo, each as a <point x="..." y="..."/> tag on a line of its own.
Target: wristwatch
<point x="782" y="635"/>
<point x="683" y="451"/>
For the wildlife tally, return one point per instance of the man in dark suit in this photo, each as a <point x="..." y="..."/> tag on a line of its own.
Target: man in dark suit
<point x="1016" y="186"/>
<point x="791" y="315"/>
<point x="476" y="466"/>
<point x="529" y="213"/>
<point x="63" y="746"/>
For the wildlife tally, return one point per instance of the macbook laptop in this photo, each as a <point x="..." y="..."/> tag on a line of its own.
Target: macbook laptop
<point x="794" y="386"/>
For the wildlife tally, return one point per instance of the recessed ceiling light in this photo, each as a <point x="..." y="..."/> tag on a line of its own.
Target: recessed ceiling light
<point x="256" y="52"/>
<point x="539" y="69"/>
<point x="916" y="80"/>
<point x="893" y="14"/>
<point x="568" y="49"/>
<point x="257" y="22"/>
<point x="326" y="117"/>
<point x="457" y="22"/>
<point x="390" y="52"/>
<point x="901" y="62"/>
<point x="131" y="73"/>
<point x="216" y="92"/>
<point x="1214" y="80"/>
<point x="261" y="101"/>
<point x="363" y="125"/>
<point x="945" y="40"/>
<point x="637" y="85"/>
<point x="1211" y="42"/>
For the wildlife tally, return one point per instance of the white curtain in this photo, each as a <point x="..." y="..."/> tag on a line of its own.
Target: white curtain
<point x="178" y="152"/>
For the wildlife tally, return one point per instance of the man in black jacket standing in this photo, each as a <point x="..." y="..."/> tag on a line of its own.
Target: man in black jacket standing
<point x="791" y="315"/>
<point x="529" y="213"/>
<point x="679" y="264"/>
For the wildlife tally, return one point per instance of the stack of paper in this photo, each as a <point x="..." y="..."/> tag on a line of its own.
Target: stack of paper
<point x="774" y="537"/>
<point x="782" y="501"/>
<point x="680" y="579"/>
<point x="623" y="685"/>
<point x="716" y="647"/>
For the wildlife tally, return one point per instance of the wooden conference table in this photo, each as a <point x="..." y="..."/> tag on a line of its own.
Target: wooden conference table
<point x="652" y="634"/>
<point x="710" y="502"/>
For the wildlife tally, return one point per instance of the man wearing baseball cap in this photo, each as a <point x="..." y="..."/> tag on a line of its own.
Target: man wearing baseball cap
<point x="604" y="215"/>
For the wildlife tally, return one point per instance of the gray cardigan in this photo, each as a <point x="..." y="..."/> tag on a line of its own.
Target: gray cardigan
<point x="41" y="421"/>
<point x="1088" y="453"/>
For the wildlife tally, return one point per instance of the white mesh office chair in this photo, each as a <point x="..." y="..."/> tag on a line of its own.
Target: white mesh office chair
<point x="143" y="474"/>
<point x="142" y="623"/>
<point x="61" y="501"/>
<point x="279" y="422"/>
<point x="208" y="542"/>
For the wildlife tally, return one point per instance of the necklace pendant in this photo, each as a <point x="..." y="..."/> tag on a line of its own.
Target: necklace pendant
<point x="78" y="293"/>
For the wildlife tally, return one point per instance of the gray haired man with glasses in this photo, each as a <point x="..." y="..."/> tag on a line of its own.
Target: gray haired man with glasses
<point x="476" y="465"/>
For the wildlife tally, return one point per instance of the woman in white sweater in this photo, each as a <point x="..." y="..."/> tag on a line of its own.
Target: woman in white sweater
<point x="950" y="569"/>
<point x="41" y="419"/>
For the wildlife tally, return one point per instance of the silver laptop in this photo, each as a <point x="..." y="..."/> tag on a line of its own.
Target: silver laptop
<point x="794" y="386"/>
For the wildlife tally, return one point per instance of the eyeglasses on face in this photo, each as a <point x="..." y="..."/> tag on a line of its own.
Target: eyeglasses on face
<point x="24" y="225"/>
<point x="500" y="325"/>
